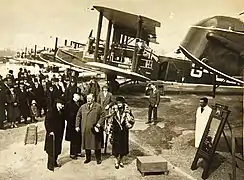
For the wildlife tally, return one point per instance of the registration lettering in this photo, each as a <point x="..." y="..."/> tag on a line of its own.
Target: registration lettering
<point x="196" y="72"/>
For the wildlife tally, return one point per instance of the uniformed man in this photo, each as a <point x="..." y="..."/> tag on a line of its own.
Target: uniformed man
<point x="154" y="99"/>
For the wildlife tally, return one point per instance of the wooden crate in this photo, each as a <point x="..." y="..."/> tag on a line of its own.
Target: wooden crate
<point x="151" y="164"/>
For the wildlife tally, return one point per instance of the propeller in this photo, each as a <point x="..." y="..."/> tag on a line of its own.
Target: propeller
<point x="90" y="35"/>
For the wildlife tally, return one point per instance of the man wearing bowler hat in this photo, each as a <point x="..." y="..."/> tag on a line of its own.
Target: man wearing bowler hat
<point x="54" y="125"/>
<point x="71" y="109"/>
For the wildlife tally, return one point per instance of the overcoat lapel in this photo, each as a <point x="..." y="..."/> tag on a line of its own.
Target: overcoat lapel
<point x="119" y="120"/>
<point x="90" y="109"/>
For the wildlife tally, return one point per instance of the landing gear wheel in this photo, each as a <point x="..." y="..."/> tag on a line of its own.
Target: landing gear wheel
<point x="114" y="86"/>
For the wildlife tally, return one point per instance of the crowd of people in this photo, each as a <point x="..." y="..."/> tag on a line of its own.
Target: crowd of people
<point x="90" y="113"/>
<point x="28" y="96"/>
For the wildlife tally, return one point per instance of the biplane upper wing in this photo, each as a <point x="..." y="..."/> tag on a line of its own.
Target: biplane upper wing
<point x="207" y="67"/>
<point x="107" y="69"/>
<point x="127" y="22"/>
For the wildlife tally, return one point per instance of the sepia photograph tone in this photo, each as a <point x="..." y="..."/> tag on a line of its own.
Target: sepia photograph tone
<point x="121" y="89"/>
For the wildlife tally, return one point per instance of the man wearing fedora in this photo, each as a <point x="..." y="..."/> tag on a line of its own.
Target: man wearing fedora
<point x="54" y="125"/>
<point x="91" y="117"/>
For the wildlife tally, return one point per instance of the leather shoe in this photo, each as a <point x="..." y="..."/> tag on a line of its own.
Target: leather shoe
<point x="73" y="157"/>
<point x="87" y="161"/>
<point x="121" y="164"/>
<point x="148" y="122"/>
<point x="116" y="166"/>
<point x="80" y="155"/>
<point x="57" y="165"/>
<point x="50" y="167"/>
<point x="99" y="161"/>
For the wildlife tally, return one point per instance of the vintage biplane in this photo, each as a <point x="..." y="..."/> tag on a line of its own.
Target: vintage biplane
<point x="126" y="53"/>
<point x="213" y="49"/>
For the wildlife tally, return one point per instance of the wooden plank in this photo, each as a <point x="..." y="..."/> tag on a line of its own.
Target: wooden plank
<point x="31" y="134"/>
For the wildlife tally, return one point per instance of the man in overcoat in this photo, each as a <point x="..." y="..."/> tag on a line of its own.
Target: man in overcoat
<point x="12" y="101"/>
<point x="23" y="101"/>
<point x="71" y="109"/>
<point x="39" y="94"/>
<point x="71" y="88"/>
<point x="91" y="116"/>
<point x="54" y="125"/>
<point x="57" y="89"/>
<point x="94" y="88"/>
<point x="2" y="106"/>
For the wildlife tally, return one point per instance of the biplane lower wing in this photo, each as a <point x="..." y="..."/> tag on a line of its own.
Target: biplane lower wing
<point x="207" y="67"/>
<point x="73" y="59"/>
<point x="108" y="69"/>
<point x="30" y="61"/>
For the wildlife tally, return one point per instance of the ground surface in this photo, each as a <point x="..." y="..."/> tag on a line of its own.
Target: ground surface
<point x="172" y="138"/>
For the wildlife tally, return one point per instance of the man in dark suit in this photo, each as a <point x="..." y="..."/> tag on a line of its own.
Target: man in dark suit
<point x="57" y="88"/>
<point x="2" y="106"/>
<point x="91" y="117"/>
<point x="154" y="99"/>
<point x="94" y="88"/>
<point x="105" y="98"/>
<point x="23" y="101"/>
<point x="71" y="88"/>
<point x="54" y="125"/>
<point x="39" y="95"/>
<point x="71" y="109"/>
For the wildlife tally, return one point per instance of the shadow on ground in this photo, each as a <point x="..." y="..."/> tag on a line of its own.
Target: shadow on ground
<point x="216" y="163"/>
<point x="137" y="102"/>
<point x="132" y="156"/>
<point x="223" y="146"/>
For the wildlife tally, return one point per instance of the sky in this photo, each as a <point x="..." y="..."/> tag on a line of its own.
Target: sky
<point x="25" y="23"/>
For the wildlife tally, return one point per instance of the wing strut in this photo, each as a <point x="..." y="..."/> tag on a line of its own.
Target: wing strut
<point x="214" y="85"/>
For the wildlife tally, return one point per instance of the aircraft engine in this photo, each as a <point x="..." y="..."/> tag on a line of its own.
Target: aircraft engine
<point x="220" y="40"/>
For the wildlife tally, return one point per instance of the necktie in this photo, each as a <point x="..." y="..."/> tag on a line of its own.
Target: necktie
<point x="202" y="109"/>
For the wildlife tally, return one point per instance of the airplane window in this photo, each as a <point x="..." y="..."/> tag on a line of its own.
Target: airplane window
<point x="149" y="64"/>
